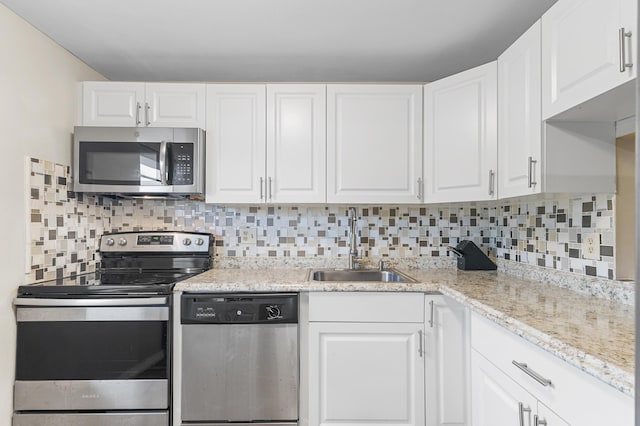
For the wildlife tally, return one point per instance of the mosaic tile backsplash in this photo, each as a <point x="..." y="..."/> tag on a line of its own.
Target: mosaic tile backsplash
<point x="65" y="227"/>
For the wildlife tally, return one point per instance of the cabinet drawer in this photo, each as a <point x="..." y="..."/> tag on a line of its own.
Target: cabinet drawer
<point x="576" y="396"/>
<point x="366" y="307"/>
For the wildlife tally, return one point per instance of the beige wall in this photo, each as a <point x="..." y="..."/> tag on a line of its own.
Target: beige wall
<point x="625" y="207"/>
<point x="37" y="112"/>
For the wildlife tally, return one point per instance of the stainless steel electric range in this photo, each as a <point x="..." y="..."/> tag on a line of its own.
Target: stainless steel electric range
<point x="95" y="349"/>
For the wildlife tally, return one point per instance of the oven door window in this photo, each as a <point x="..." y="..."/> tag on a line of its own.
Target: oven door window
<point x="120" y="163"/>
<point x="92" y="350"/>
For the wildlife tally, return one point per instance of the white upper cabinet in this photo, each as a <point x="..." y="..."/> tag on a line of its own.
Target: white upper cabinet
<point x="585" y="46"/>
<point x="235" y="143"/>
<point x="266" y="143"/>
<point x="296" y="143"/>
<point x="106" y="103"/>
<point x="175" y="105"/>
<point x="374" y="143"/>
<point x="519" y="116"/>
<point x="460" y="136"/>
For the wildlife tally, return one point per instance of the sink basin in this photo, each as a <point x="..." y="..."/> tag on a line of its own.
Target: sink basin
<point x="355" y="275"/>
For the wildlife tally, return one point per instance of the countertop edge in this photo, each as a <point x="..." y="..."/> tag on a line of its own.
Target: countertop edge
<point x="612" y="375"/>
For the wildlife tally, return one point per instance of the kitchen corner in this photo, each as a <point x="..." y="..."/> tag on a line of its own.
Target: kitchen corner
<point x="595" y="334"/>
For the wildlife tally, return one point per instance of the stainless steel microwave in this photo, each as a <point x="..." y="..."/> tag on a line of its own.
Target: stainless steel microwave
<point x="130" y="160"/>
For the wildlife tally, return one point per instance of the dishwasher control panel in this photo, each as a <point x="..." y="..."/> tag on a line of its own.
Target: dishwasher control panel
<point x="243" y="308"/>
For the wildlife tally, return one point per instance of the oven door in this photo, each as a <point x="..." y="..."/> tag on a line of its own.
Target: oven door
<point x="92" y="354"/>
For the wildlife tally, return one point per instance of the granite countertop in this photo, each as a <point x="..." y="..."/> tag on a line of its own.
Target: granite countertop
<point x="592" y="333"/>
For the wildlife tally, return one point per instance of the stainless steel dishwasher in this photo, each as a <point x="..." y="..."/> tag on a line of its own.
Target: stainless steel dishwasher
<point x="239" y="359"/>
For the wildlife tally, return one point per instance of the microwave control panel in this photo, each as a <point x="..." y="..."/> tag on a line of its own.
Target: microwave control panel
<point x="181" y="172"/>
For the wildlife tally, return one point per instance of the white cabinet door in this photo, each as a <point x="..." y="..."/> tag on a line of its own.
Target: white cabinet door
<point x="447" y="355"/>
<point x="374" y="143"/>
<point x="460" y="136"/>
<point x="496" y="399"/>
<point x="175" y="105"/>
<point x="581" y="48"/>
<point x="296" y="143"/>
<point x="106" y="103"/>
<point x="365" y="373"/>
<point x="519" y="116"/>
<point x="235" y="143"/>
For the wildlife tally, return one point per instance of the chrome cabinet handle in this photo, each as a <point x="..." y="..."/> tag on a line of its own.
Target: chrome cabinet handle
<point x="537" y="377"/>
<point x="431" y="314"/>
<point x="138" y="108"/>
<point x="531" y="163"/>
<point x="622" y="35"/>
<point x="261" y="183"/>
<point x="419" y="188"/>
<point x="492" y="176"/>
<point x="537" y="421"/>
<point x="270" y="190"/>
<point x="420" y="347"/>
<point x="147" y="112"/>
<point x="521" y="411"/>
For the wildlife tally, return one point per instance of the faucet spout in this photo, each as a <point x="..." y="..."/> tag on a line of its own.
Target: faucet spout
<point x="353" y="247"/>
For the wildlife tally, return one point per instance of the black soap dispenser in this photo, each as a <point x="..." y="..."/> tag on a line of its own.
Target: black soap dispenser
<point x="471" y="258"/>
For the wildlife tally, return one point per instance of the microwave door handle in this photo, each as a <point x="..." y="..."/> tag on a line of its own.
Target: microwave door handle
<point x="163" y="162"/>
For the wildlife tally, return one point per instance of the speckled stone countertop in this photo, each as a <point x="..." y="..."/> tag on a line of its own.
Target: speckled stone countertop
<point x="591" y="333"/>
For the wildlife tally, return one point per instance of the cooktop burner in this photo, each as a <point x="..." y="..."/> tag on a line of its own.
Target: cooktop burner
<point x="134" y="264"/>
<point x="105" y="283"/>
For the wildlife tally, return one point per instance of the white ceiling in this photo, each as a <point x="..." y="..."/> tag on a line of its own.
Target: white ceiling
<point x="282" y="40"/>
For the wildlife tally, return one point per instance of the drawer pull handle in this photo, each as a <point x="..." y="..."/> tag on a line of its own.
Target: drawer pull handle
<point x="537" y="377"/>
<point x="521" y="411"/>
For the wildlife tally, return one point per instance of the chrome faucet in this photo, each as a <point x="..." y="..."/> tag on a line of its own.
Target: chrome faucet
<point x="353" y="248"/>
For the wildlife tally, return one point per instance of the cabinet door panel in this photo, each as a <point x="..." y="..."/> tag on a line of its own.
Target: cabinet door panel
<point x="580" y="47"/>
<point x="461" y="137"/>
<point x="447" y="362"/>
<point x="519" y="119"/>
<point x="175" y="105"/>
<point x="235" y="143"/>
<point x="496" y="398"/>
<point x="107" y="103"/>
<point x="365" y="373"/>
<point x="296" y="143"/>
<point x="374" y="144"/>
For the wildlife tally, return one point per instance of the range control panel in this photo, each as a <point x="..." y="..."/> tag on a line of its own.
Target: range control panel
<point x="166" y="242"/>
<point x="239" y="308"/>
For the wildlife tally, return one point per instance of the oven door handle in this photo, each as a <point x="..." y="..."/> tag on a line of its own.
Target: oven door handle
<point x="137" y="301"/>
<point x="92" y="313"/>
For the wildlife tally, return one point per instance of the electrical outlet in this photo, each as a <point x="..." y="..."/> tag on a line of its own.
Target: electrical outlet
<point x="248" y="236"/>
<point x="591" y="246"/>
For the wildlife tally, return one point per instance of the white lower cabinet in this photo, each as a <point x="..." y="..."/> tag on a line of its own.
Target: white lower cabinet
<point x="365" y="368"/>
<point x="540" y="388"/>
<point x="447" y="378"/>
<point x="497" y="399"/>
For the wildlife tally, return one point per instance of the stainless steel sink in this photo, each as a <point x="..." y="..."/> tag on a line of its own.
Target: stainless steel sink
<point x="355" y="275"/>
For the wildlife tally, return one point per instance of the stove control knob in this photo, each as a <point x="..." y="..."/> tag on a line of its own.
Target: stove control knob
<point x="110" y="242"/>
<point x="186" y="242"/>
<point x="122" y="242"/>
<point x="199" y="241"/>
